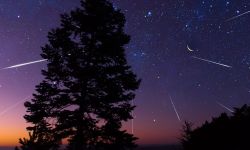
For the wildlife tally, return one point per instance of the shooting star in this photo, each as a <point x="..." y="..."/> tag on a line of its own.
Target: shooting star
<point x="230" y="19"/>
<point x="230" y="110"/>
<point x="24" y="64"/>
<point x="212" y="62"/>
<point x="13" y="106"/>
<point x="132" y="121"/>
<point x="175" y="109"/>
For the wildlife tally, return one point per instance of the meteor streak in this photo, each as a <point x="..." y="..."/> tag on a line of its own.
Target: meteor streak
<point x="237" y="16"/>
<point x="132" y="121"/>
<point x="230" y="110"/>
<point x="175" y="109"/>
<point x="212" y="62"/>
<point x="24" y="64"/>
<point x="13" y="106"/>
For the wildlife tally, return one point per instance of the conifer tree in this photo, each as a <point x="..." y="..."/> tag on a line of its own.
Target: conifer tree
<point x="88" y="86"/>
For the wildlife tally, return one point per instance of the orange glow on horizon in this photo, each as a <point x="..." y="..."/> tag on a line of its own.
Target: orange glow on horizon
<point x="10" y="135"/>
<point x="13" y="127"/>
<point x="8" y="138"/>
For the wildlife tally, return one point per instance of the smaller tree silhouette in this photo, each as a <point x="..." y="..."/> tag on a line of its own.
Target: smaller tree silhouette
<point x="222" y="133"/>
<point x="36" y="141"/>
<point x="186" y="133"/>
<point x="42" y="135"/>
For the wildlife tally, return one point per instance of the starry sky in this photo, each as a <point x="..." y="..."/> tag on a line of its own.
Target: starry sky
<point x="180" y="49"/>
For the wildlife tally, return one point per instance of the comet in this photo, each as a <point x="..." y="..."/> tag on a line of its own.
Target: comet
<point x="177" y="114"/>
<point x="24" y="64"/>
<point x="235" y="17"/>
<point x="223" y="106"/>
<point x="13" y="106"/>
<point x="213" y="62"/>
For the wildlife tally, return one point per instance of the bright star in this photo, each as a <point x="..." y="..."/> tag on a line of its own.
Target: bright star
<point x="149" y="14"/>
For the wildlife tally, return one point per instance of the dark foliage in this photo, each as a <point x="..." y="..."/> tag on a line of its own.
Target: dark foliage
<point x="222" y="133"/>
<point x="88" y="85"/>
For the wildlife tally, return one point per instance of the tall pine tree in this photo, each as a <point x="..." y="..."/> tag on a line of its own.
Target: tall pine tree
<point x="88" y="85"/>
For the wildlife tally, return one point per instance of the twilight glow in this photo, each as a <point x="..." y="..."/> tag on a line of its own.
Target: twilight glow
<point x="195" y="51"/>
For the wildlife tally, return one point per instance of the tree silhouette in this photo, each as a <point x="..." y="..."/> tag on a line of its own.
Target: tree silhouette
<point x="222" y="133"/>
<point x="88" y="85"/>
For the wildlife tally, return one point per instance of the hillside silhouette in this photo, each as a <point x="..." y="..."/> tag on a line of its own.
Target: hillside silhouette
<point x="222" y="133"/>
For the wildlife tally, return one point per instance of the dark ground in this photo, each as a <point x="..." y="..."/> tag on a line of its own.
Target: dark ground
<point x="164" y="147"/>
<point x="6" y="148"/>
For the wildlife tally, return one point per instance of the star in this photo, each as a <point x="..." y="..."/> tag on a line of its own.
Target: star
<point x="149" y="14"/>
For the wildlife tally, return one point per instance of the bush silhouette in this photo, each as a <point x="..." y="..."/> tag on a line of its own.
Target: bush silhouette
<point x="222" y="133"/>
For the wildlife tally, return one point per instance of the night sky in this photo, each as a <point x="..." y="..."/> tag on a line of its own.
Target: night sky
<point x="196" y="52"/>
